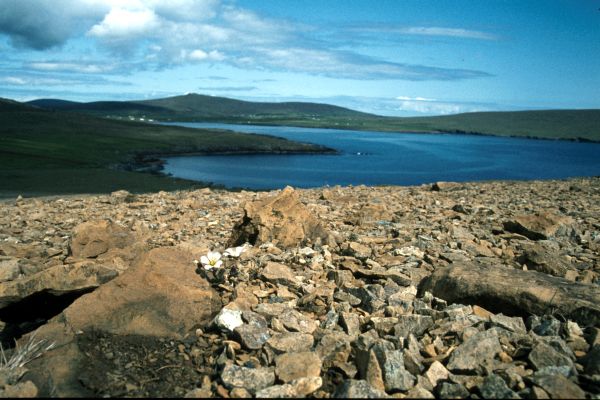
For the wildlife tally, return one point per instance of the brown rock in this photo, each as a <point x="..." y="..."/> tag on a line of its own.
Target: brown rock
<point x="544" y="259"/>
<point x="515" y="292"/>
<point x="92" y="238"/>
<point x="59" y="279"/>
<point x="291" y="366"/>
<point x="19" y="390"/>
<point x="371" y="213"/>
<point x="539" y="227"/>
<point x="278" y="273"/>
<point x="160" y="296"/>
<point x="292" y="342"/>
<point x="282" y="220"/>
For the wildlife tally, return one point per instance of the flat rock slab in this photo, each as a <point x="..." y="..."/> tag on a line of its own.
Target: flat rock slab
<point x="93" y="238"/>
<point x="515" y="292"/>
<point x="539" y="226"/>
<point x="160" y="296"/>
<point x="59" y="279"/>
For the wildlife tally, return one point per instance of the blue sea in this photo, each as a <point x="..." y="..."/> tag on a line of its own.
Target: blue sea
<point x="376" y="158"/>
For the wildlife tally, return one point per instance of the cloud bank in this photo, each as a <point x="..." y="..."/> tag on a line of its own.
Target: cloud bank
<point x="154" y="34"/>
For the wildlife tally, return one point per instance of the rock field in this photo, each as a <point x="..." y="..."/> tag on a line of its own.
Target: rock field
<point x="450" y="290"/>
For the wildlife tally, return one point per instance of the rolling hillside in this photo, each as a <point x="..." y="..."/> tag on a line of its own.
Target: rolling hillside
<point x="44" y="151"/>
<point x="545" y="124"/>
<point x="194" y="107"/>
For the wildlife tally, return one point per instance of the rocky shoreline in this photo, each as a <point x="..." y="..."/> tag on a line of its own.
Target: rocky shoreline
<point x="153" y="162"/>
<point x="450" y="290"/>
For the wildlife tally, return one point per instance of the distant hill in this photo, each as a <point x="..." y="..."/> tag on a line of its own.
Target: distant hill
<point x="11" y="105"/>
<point x="546" y="124"/>
<point x="200" y="107"/>
<point x="56" y="151"/>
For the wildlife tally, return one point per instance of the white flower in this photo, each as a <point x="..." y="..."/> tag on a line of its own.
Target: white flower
<point x="211" y="260"/>
<point x="236" y="251"/>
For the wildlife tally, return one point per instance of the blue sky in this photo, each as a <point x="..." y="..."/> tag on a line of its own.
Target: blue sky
<point x="389" y="57"/>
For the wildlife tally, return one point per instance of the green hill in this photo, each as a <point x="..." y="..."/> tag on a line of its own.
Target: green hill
<point x="43" y="152"/>
<point x="547" y="124"/>
<point x="194" y="107"/>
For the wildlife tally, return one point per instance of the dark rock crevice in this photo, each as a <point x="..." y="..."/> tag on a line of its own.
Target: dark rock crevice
<point x="34" y="311"/>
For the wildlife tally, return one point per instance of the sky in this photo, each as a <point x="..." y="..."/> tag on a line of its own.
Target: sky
<point x="388" y="57"/>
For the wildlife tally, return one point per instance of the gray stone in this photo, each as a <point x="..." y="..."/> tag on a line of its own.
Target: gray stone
<point x="370" y="297"/>
<point x="295" y="389"/>
<point x="458" y="310"/>
<point x="413" y="362"/>
<point x="251" y="379"/>
<point x="252" y="337"/>
<point x="591" y="361"/>
<point x="343" y="296"/>
<point x="543" y="259"/>
<point x="415" y="324"/>
<point x="334" y="348"/>
<point x="296" y="321"/>
<point x="254" y="319"/>
<point x="358" y="389"/>
<point x="494" y="387"/>
<point x="475" y="351"/>
<point x="545" y="325"/>
<point x="513" y="324"/>
<point x="516" y="291"/>
<point x="452" y="391"/>
<point x="350" y="322"/>
<point x="558" y="387"/>
<point x="395" y="375"/>
<point x="543" y="355"/>
<point x="9" y="269"/>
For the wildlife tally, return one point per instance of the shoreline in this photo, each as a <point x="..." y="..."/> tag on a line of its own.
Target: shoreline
<point x="152" y="162"/>
<point x="355" y="128"/>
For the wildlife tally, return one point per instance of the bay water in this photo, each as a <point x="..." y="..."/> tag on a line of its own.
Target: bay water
<point x="376" y="158"/>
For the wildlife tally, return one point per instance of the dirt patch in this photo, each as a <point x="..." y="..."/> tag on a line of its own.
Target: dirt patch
<point x="141" y="366"/>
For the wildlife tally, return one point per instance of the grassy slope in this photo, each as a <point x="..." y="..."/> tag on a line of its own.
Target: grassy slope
<point x="47" y="152"/>
<point x="549" y="124"/>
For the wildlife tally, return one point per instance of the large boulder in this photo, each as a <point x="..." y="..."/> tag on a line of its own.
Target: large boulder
<point x="281" y="219"/>
<point x="160" y="296"/>
<point x="516" y="292"/>
<point x="540" y="226"/>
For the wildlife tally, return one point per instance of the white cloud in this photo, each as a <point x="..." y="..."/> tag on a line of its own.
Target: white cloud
<point x="185" y="10"/>
<point x="71" y="67"/>
<point x="120" y="22"/>
<point x="427" y="106"/>
<point x="451" y="32"/>
<point x="407" y="98"/>
<point x="153" y="34"/>
<point x="201" y="55"/>
<point x="13" y="80"/>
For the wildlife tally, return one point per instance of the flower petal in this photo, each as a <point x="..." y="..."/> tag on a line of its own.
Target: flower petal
<point x="204" y="260"/>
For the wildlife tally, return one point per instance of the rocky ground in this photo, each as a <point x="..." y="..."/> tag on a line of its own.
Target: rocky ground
<point x="449" y="290"/>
